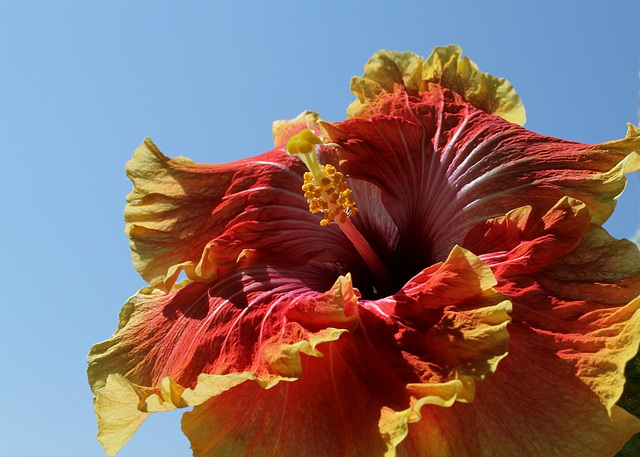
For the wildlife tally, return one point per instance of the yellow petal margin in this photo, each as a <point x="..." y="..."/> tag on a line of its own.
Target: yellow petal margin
<point x="158" y="221"/>
<point x="479" y="331"/>
<point x="445" y="67"/>
<point x="394" y="425"/>
<point x="122" y="405"/>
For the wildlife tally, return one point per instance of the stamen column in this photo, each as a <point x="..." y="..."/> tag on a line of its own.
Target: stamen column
<point x="327" y="193"/>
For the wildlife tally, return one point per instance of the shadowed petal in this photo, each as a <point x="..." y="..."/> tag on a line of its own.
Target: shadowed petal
<point x="529" y="407"/>
<point x="327" y="411"/>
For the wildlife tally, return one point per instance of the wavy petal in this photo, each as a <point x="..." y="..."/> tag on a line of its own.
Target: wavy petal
<point x="327" y="411"/>
<point x="576" y="322"/>
<point x="179" y="349"/>
<point x="200" y="218"/>
<point x="583" y="307"/>
<point x="466" y="343"/>
<point x="355" y="400"/>
<point x="526" y="408"/>
<point x="445" y="67"/>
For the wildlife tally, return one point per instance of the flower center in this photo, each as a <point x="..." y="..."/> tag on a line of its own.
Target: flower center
<point x="327" y="193"/>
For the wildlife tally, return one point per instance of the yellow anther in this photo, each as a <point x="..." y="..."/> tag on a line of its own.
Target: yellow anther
<point x="329" y="195"/>
<point x="303" y="142"/>
<point x="310" y="137"/>
<point x="324" y="187"/>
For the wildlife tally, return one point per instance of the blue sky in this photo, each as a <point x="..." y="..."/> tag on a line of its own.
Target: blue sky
<point x="82" y="83"/>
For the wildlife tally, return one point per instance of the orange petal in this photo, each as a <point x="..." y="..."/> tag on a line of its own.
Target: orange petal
<point x="576" y="322"/>
<point x="528" y="407"/>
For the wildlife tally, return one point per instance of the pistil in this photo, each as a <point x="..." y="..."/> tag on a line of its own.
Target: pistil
<point x="327" y="193"/>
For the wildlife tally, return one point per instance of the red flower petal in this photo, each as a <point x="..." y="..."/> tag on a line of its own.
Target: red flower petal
<point x="201" y="218"/>
<point x="576" y="320"/>
<point x="445" y="67"/>
<point x="443" y="166"/>
<point x="252" y="323"/>
<point x="385" y="365"/>
<point x="577" y="300"/>
<point x="528" y="407"/>
<point x="430" y="169"/>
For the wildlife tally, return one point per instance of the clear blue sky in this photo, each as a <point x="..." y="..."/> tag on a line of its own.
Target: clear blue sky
<point x="82" y="83"/>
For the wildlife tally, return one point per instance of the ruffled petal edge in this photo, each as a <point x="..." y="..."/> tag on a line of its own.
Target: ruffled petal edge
<point x="445" y="67"/>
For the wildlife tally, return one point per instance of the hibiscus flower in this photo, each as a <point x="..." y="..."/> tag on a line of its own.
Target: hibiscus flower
<point x="426" y="277"/>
